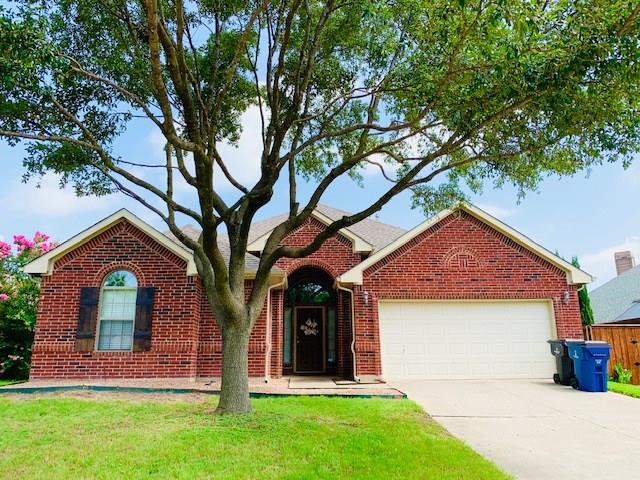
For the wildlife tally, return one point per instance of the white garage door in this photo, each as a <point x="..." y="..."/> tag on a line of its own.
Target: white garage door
<point x="458" y="340"/>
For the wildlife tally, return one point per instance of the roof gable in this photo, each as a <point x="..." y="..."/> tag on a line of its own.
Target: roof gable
<point x="251" y="262"/>
<point x="43" y="265"/>
<point x="632" y="313"/>
<point x="612" y="298"/>
<point x="373" y="231"/>
<point x="574" y="275"/>
<point x="360" y="245"/>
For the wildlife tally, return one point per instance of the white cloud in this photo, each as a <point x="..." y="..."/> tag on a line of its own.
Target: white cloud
<point x="156" y="140"/>
<point x="602" y="265"/>
<point x="243" y="160"/>
<point x="50" y="200"/>
<point x="496" y="210"/>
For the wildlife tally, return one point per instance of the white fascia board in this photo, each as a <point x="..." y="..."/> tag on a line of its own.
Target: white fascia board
<point x="575" y="276"/>
<point x="354" y="276"/>
<point x="359" y="244"/>
<point x="43" y="265"/>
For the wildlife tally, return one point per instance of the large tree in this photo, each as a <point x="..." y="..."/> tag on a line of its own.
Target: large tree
<point x="441" y="96"/>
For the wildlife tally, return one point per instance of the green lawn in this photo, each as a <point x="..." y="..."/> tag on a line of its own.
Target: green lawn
<point x="294" y="437"/>
<point x="625" y="389"/>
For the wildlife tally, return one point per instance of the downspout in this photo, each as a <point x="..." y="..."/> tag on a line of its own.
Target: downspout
<point x="353" y="328"/>
<point x="267" y="358"/>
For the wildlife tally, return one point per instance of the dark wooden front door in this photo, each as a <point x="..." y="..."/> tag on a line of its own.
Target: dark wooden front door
<point x="309" y="340"/>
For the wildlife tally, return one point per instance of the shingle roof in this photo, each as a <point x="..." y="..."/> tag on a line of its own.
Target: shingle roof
<point x="376" y="233"/>
<point x="632" y="313"/>
<point x="372" y="231"/>
<point x="251" y="262"/>
<point x="612" y="299"/>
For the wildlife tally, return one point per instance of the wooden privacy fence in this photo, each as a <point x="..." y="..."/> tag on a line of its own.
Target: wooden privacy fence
<point x="625" y="346"/>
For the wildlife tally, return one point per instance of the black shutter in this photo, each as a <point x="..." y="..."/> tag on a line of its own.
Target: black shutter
<point x="142" y="328"/>
<point x="87" y="319"/>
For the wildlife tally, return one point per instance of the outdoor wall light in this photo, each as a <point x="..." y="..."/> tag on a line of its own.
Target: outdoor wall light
<point x="365" y="297"/>
<point x="565" y="297"/>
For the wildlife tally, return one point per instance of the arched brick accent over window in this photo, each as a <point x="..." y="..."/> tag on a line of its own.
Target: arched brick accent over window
<point x="107" y="269"/>
<point x="311" y="262"/>
<point x="461" y="258"/>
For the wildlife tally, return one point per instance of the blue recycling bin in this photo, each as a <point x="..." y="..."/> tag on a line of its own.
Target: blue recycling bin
<point x="590" y="361"/>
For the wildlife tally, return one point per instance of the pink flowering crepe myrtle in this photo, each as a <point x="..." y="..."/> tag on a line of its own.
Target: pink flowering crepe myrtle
<point x="5" y="250"/>
<point x="23" y="243"/>
<point x="40" y="243"/>
<point x="32" y="248"/>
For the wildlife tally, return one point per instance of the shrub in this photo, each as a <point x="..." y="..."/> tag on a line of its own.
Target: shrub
<point x="18" y="303"/>
<point x="621" y="374"/>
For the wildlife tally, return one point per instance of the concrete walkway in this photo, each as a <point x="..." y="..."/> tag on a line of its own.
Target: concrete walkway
<point x="536" y="430"/>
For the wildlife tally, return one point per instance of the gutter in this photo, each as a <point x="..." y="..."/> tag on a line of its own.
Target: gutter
<point x="267" y="354"/>
<point x="353" y="328"/>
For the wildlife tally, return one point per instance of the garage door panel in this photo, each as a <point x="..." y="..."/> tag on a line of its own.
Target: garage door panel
<point x="394" y="349"/>
<point x="396" y="371"/>
<point x="457" y="340"/>
<point x="416" y="349"/>
<point x="480" y="369"/>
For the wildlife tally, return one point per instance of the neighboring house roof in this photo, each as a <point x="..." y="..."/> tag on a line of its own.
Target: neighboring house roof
<point x="632" y="313"/>
<point x="43" y="265"/>
<point x="613" y="298"/>
<point x="574" y="275"/>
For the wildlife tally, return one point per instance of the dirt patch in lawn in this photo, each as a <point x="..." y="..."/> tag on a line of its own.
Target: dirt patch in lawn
<point x="93" y="395"/>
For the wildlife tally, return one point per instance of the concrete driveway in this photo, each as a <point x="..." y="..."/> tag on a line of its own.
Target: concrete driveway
<point x="537" y="430"/>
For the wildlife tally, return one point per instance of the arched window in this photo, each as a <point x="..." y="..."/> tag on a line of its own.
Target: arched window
<point x="117" y="311"/>
<point x="309" y="289"/>
<point x="308" y="293"/>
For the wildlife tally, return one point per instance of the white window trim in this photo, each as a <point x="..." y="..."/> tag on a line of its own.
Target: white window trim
<point x="133" y="329"/>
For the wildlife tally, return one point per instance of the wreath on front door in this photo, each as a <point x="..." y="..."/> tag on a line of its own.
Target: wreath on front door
<point x="310" y="327"/>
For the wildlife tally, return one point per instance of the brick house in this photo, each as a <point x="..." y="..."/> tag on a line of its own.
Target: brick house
<point x="461" y="295"/>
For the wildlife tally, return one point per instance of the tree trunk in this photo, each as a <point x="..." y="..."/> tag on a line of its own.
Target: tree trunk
<point x="234" y="391"/>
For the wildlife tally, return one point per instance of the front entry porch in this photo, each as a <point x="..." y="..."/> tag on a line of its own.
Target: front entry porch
<point x="310" y="339"/>
<point x="316" y="326"/>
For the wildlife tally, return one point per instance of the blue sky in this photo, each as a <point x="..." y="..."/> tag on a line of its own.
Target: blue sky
<point x="587" y="215"/>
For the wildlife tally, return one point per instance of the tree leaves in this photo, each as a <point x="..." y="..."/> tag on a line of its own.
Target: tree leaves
<point x="455" y="96"/>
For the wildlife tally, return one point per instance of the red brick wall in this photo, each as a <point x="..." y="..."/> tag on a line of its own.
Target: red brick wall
<point x="210" y="342"/>
<point x="344" y="334"/>
<point x="335" y="256"/>
<point x="277" y="333"/>
<point x="185" y="339"/>
<point x="459" y="258"/>
<point x="175" y="312"/>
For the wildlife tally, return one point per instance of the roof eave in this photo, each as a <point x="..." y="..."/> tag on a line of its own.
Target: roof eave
<point x="575" y="276"/>
<point x="44" y="264"/>
<point x="358" y="243"/>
